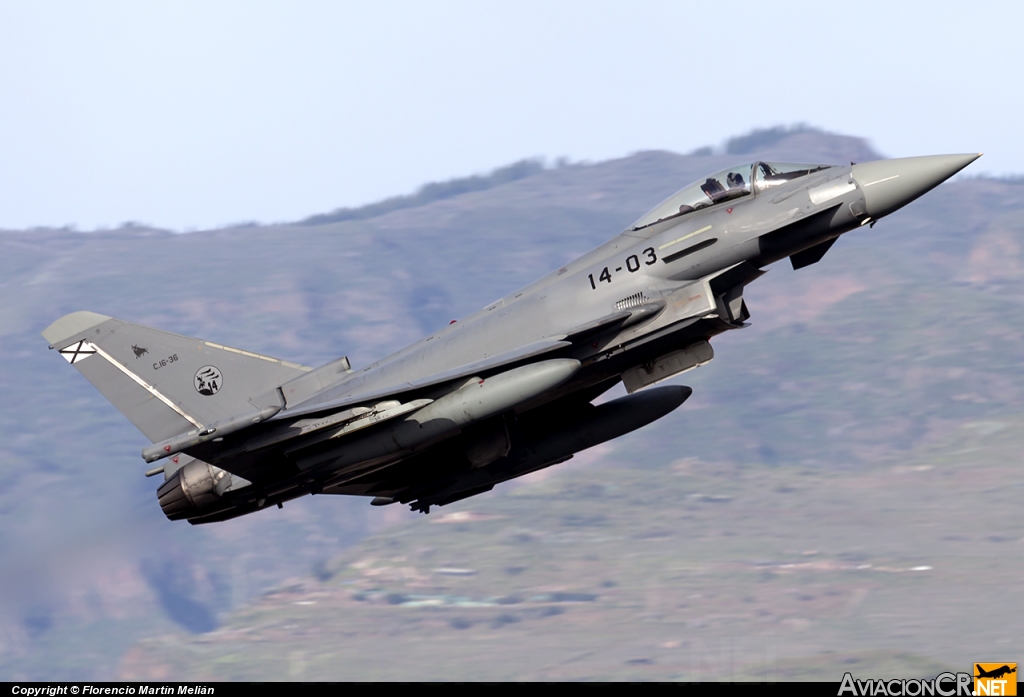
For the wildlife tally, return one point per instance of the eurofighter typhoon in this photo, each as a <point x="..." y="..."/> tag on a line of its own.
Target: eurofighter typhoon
<point x="506" y="391"/>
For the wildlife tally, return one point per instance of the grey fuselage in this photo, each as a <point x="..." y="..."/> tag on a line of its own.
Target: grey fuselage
<point x="508" y="389"/>
<point x="758" y="229"/>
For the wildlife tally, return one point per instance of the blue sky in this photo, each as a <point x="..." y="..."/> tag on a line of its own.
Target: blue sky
<point x="197" y="114"/>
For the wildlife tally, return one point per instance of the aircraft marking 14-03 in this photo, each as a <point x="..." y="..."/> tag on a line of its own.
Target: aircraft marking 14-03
<point x="632" y="264"/>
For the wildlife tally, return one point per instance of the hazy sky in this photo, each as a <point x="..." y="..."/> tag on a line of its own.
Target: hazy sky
<point x="196" y="114"/>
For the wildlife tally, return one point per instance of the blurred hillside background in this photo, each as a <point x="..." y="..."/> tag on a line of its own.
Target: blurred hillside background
<point x="840" y="493"/>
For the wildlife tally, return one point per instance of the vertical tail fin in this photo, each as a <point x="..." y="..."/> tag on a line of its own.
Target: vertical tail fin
<point x="167" y="384"/>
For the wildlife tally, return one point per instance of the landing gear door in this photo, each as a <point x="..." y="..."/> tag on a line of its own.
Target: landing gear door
<point x="667" y="366"/>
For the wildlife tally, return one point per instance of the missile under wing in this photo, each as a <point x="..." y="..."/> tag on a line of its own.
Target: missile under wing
<point x="506" y="391"/>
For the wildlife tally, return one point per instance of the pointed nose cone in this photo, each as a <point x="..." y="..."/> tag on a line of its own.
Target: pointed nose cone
<point x="892" y="184"/>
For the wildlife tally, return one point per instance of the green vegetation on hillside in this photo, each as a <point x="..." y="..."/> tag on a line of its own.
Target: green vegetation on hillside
<point x="429" y="193"/>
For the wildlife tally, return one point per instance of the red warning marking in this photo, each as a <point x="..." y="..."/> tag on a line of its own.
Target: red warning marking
<point x="167" y="448"/>
<point x="728" y="210"/>
<point x="453" y="321"/>
<point x="175" y="459"/>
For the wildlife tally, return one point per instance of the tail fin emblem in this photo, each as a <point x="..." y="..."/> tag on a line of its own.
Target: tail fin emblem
<point x="139" y="351"/>
<point x="208" y="380"/>
<point x="78" y="352"/>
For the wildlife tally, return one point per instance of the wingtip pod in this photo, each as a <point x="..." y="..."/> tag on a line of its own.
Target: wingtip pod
<point x="71" y="325"/>
<point x="191" y="439"/>
<point x="888" y="185"/>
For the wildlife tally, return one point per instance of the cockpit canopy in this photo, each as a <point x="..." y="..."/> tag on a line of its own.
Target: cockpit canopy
<point x="727" y="185"/>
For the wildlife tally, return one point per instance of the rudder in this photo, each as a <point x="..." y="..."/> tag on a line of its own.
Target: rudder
<point x="167" y="384"/>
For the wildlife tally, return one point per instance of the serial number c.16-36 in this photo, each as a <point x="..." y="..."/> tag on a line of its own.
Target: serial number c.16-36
<point x="164" y="362"/>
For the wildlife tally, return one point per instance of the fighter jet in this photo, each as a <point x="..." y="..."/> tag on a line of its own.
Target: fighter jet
<point x="506" y="391"/>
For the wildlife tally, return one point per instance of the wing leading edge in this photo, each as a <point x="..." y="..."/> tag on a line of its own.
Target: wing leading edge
<point x="359" y="388"/>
